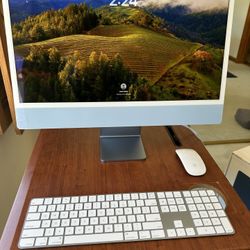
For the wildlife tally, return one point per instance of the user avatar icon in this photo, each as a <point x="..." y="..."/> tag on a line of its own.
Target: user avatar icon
<point x="123" y="86"/>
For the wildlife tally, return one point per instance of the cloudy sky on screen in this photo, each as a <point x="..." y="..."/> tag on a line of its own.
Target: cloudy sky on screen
<point x="193" y="4"/>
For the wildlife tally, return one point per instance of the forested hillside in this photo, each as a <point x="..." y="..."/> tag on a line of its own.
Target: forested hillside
<point x="74" y="19"/>
<point x="204" y="26"/>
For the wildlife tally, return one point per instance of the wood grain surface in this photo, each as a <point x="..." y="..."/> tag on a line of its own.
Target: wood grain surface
<point x="66" y="162"/>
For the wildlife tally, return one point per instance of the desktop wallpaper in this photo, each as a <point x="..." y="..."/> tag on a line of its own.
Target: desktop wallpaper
<point x="118" y="50"/>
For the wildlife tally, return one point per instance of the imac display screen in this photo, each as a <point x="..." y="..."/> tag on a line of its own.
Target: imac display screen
<point x="110" y="50"/>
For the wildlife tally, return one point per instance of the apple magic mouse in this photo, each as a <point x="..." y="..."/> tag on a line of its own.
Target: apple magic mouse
<point x="191" y="161"/>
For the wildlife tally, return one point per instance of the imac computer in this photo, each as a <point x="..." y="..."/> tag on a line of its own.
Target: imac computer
<point x="118" y="65"/>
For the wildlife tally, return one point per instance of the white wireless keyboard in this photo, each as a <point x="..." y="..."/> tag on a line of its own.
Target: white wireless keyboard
<point x="95" y="219"/>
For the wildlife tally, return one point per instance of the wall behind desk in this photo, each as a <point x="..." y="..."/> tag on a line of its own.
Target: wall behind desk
<point x="15" y="152"/>
<point x="239" y="19"/>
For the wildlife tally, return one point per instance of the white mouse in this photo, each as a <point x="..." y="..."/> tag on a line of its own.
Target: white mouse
<point x="191" y="161"/>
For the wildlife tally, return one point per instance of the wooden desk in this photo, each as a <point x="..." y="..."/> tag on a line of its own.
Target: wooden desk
<point x="66" y="162"/>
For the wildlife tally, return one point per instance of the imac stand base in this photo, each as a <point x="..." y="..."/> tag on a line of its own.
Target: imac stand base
<point x="121" y="144"/>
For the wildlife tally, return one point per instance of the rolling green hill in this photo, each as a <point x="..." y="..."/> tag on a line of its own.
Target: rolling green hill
<point x="144" y="51"/>
<point x="131" y="15"/>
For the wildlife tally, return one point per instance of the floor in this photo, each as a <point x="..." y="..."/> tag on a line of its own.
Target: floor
<point x="222" y="152"/>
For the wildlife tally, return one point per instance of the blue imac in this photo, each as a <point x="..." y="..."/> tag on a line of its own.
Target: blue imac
<point x="118" y="65"/>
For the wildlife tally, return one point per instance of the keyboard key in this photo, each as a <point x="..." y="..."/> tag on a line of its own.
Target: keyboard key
<point x="127" y="211"/>
<point x="173" y="209"/>
<point x="84" y="221"/>
<point x="152" y="225"/>
<point x="195" y="215"/>
<point x="143" y="196"/>
<point x="140" y="218"/>
<point x="207" y="222"/>
<point x="210" y="192"/>
<point x="49" y="232"/>
<point x="151" y="195"/>
<point x="200" y="207"/>
<point x="36" y="202"/>
<point x="227" y="225"/>
<point x="161" y="195"/>
<point x="104" y="220"/>
<point x="89" y="229"/>
<point x="190" y="231"/>
<point x="134" y="196"/>
<point x="202" y="193"/>
<point x="219" y="229"/>
<point x="181" y="232"/>
<point x="33" y="216"/>
<point x="179" y="201"/>
<point x="59" y="231"/>
<point x="221" y="213"/>
<point x="170" y="202"/>
<point x="118" y="227"/>
<point x="187" y="194"/>
<point x="69" y="230"/>
<point x="29" y="233"/>
<point x="27" y="242"/>
<point x="214" y="199"/>
<point x="74" y="199"/>
<point x="42" y="241"/>
<point x="177" y="194"/>
<point x="108" y="228"/>
<point x="169" y="194"/>
<point x="192" y="207"/>
<point x="182" y="208"/>
<point x="203" y="214"/>
<point x="154" y="209"/>
<point x="33" y="209"/>
<point x="205" y="230"/>
<point x="101" y="198"/>
<point x="93" y="238"/>
<point x="144" y="235"/>
<point x="137" y="226"/>
<point x="178" y="223"/>
<point x="32" y="224"/>
<point x="171" y="233"/>
<point x="153" y="217"/>
<point x="158" y="234"/>
<point x="131" y="218"/>
<point x="45" y="216"/>
<point x="114" y="204"/>
<point x="198" y="222"/>
<point x="126" y="196"/>
<point x="57" y="240"/>
<point x="145" y="210"/>
<point x="66" y="200"/>
<point x="217" y="205"/>
<point x="118" y="197"/>
<point x="194" y="193"/>
<point x="99" y="229"/>
<point x="127" y="227"/>
<point x="216" y="221"/>
<point x="92" y="198"/>
<point x="151" y="202"/>
<point x="205" y="199"/>
<point x="197" y="200"/>
<point x="131" y="236"/>
<point x="189" y="200"/>
<point x="164" y="209"/>
<point x="112" y="219"/>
